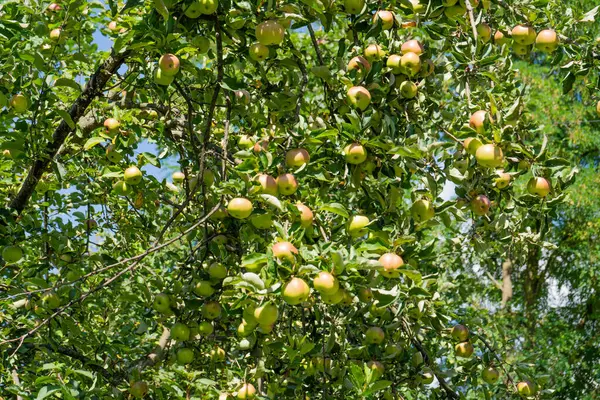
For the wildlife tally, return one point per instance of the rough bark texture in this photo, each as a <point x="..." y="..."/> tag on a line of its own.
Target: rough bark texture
<point x="93" y="88"/>
<point x="507" y="287"/>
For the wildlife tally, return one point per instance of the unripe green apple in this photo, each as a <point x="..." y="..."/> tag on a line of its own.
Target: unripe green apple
<point x="296" y="291"/>
<point x="471" y="145"/>
<point x="19" y="103"/>
<point x="169" y="64"/>
<point x="334" y="298"/>
<point x="464" y="349"/>
<point x="386" y="18"/>
<point x="239" y="208"/>
<point x="374" y="335"/>
<point x="306" y="215"/>
<point x="205" y="328"/>
<point x="112" y="154"/>
<point x="207" y="7"/>
<point x="138" y="389"/>
<point x="202" y="43"/>
<point x="354" y="6"/>
<point x="365" y="294"/>
<point x="460" y="333"/>
<point x="326" y="283"/>
<point x="355" y="153"/>
<point x="120" y="188"/>
<point x="408" y="89"/>
<point x="162" y="303"/>
<point x="246" y="392"/>
<point x="211" y="310"/>
<point x="217" y="354"/>
<point x="393" y="62"/>
<point x="133" y="176"/>
<point x="390" y="263"/>
<point x="357" y="225"/>
<point x="217" y="271"/>
<point x="244" y="329"/>
<point x="193" y="11"/>
<point x="521" y="49"/>
<point x="538" y="186"/>
<point x="478" y="120"/>
<point x="374" y="52"/>
<point x="359" y="97"/>
<point x="180" y="332"/>
<point x="248" y="314"/>
<point x="527" y="388"/>
<point x="490" y="375"/>
<point x="258" y="52"/>
<point x="185" y="356"/>
<point x="203" y="289"/>
<point x="284" y="251"/>
<point x="489" y="155"/>
<point x="286" y="184"/>
<point x="455" y="11"/>
<point x="410" y="63"/>
<point x="160" y="78"/>
<point x="269" y="33"/>
<point x="422" y="210"/>
<point x="12" y="254"/>
<point x="296" y="158"/>
<point x="266" y="314"/>
<point x="484" y="32"/>
<point x="480" y="205"/>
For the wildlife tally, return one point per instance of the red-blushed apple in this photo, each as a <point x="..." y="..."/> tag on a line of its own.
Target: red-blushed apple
<point x="373" y="52"/>
<point x="239" y="208"/>
<point x="169" y="64"/>
<point x="390" y="263"/>
<point x="211" y="310"/>
<point x="284" y="251"/>
<point x="386" y="18"/>
<point x="422" y="210"/>
<point x="377" y="368"/>
<point x="203" y="289"/>
<point x="112" y="26"/>
<point x="374" y="335"/>
<point x="484" y="32"/>
<point x="111" y="126"/>
<point x="185" y="355"/>
<point x="464" y="349"/>
<point x="246" y="392"/>
<point x="138" y="389"/>
<point x="410" y="63"/>
<point x="360" y="65"/>
<point x="527" y="388"/>
<point x="132" y="176"/>
<point x="478" y="120"/>
<point x="160" y="78"/>
<point x="286" y="184"/>
<point x="523" y="34"/>
<point x="12" y="254"/>
<point x="266" y="314"/>
<point x="412" y="46"/>
<point x="296" y="291"/>
<point x="503" y="180"/>
<point x="112" y="154"/>
<point x="460" y="333"/>
<point x="55" y="34"/>
<point x="267" y="184"/>
<point x="354" y="6"/>
<point x="53" y="7"/>
<point x="326" y="283"/>
<point x="490" y="375"/>
<point x="216" y="270"/>
<point x="258" y="52"/>
<point x="296" y="158"/>
<point x="500" y="38"/>
<point x="180" y="332"/>
<point x="547" y="41"/>
<point x="270" y="33"/>
<point x="480" y="205"/>
<point x="357" y="225"/>
<point x="355" y="153"/>
<point x="471" y="145"/>
<point x="408" y="89"/>
<point x="489" y="155"/>
<point x="306" y="215"/>
<point x="19" y="103"/>
<point x="538" y="186"/>
<point x="359" y="97"/>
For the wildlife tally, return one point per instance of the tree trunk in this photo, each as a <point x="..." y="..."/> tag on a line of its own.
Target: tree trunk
<point x="531" y="290"/>
<point x="507" y="287"/>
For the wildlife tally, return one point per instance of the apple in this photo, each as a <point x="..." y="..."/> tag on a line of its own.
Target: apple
<point x="211" y="310"/>
<point x="138" y="389"/>
<point x="284" y="251"/>
<point x="296" y="291"/>
<point x="527" y="388"/>
<point x="374" y="335"/>
<point x="244" y="329"/>
<point x="180" y="332"/>
<point x="51" y="300"/>
<point x="160" y="78"/>
<point x="410" y="64"/>
<point x="386" y="18"/>
<point x="205" y="328"/>
<point x="202" y="44"/>
<point x="354" y="6"/>
<point x="162" y="303"/>
<point x="55" y="34"/>
<point x="12" y="254"/>
<point x="120" y="188"/>
<point x="520" y="49"/>
<point x="464" y="349"/>
<point x="449" y="3"/>
<point x="178" y="177"/>
<point x="217" y="354"/>
<point x="377" y="368"/>
<point x="478" y="120"/>
<point x="426" y="376"/>
<point x="490" y="375"/>
<point x="296" y="158"/>
<point x="193" y="11"/>
<point x="112" y="154"/>
<point x="260" y="146"/>
<point x="393" y="62"/>
<point x="132" y="176"/>
<point x="242" y="97"/>
<point x="422" y="210"/>
<point x="111" y="126"/>
<point x="326" y="283"/>
<point x="455" y="11"/>
<point x="334" y="298"/>
<point x="248" y="314"/>
<point x="268" y="184"/>
<point x="112" y="26"/>
<point x="224" y="396"/>
<point x="207" y="7"/>
<point x="247" y="391"/>
<point x="408" y="89"/>
<point x="286" y="184"/>
<point x="471" y="145"/>
<point x="489" y="155"/>
<point x="262" y="221"/>
<point x="480" y="205"/>
<point x="460" y="333"/>
<point x="347" y="298"/>
<point x="245" y="142"/>
<point x="412" y="46"/>
<point x="239" y="208"/>
<point x="258" y="52"/>
<point x="185" y="355"/>
<point x="538" y="186"/>
<point x="169" y="64"/>
<point x="393" y="350"/>
<point x="360" y="65"/>
<point x="203" y="289"/>
<point x="484" y="32"/>
<point x="6" y="153"/>
<point x="270" y="32"/>
<point x="503" y="180"/>
<point x="306" y="215"/>
<point x="217" y="271"/>
<point x="266" y="314"/>
<point x="359" y="97"/>
<point x="500" y="38"/>
<point x="390" y="262"/>
<point x="357" y="225"/>
<point x="355" y="153"/>
<point x="364" y="294"/>
<point x="374" y="52"/>
<point x="523" y="34"/>
<point x="53" y="7"/>
<point x="547" y="41"/>
<point x="19" y="103"/>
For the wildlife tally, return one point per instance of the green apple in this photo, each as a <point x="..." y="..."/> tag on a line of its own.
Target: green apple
<point x="162" y="303"/>
<point x="112" y="154"/>
<point x="523" y="35"/>
<point x="426" y="376"/>
<point x="133" y="176"/>
<point x="185" y="355"/>
<point x="464" y="349"/>
<point x="211" y="310"/>
<point x="354" y="6"/>
<point x="408" y="89"/>
<point x="138" y="389"/>
<point x="180" y="332"/>
<point x="19" y="103"/>
<point x="334" y="298"/>
<point x="239" y="208"/>
<point x="410" y="63"/>
<point x="365" y="294"/>
<point x="203" y="289"/>
<point x="205" y="328"/>
<point x="412" y="46"/>
<point x="258" y="52"/>
<point x="360" y="65"/>
<point x="217" y="271"/>
<point x="386" y="18"/>
<point x="266" y="314"/>
<point x="51" y="300"/>
<point x="306" y="215"/>
<point x="244" y="329"/>
<point x="422" y="210"/>
<point x="478" y="120"/>
<point x="355" y="153"/>
<point x="460" y="333"/>
<point x="296" y="158"/>
<point x="489" y="155"/>
<point x="120" y="188"/>
<point x="160" y="78"/>
<point x="12" y="254"/>
<point x="484" y="32"/>
<point x="490" y="375"/>
<point x="359" y="97"/>
<point x="527" y="388"/>
<point x="357" y="225"/>
<point x="374" y="52"/>
<point x="286" y="184"/>
<point x="390" y="263"/>
<point x="374" y="335"/>
<point x="503" y="180"/>
<point x="547" y="41"/>
<point x="471" y="144"/>
<point x="270" y="33"/>
<point x="295" y="291"/>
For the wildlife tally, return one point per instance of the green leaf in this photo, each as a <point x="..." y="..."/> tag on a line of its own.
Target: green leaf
<point x="254" y="280"/>
<point x="93" y="141"/>
<point x="67" y="117"/>
<point x="336" y="208"/>
<point x="67" y="82"/>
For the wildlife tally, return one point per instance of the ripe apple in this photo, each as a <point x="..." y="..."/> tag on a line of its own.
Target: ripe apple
<point x="138" y="389"/>
<point x="503" y="180"/>
<point x="365" y="294"/>
<point x="374" y="335"/>
<point x="217" y="354"/>
<point x="422" y="210"/>
<point x="268" y="184"/>
<point x="523" y="34"/>
<point x="489" y="155"/>
<point x="178" y="177"/>
<point x="180" y="332"/>
<point x="357" y="225"/>
<point x="412" y="46"/>
<point x="239" y="208"/>
<point x="520" y="49"/>
<point x="306" y="215"/>
<point x="185" y="356"/>
<point x="326" y="283"/>
<point x="270" y="32"/>
<point x="490" y="375"/>
<point x="296" y="291"/>
<point x="132" y="176"/>
<point x="354" y="6"/>
<point x="393" y="62"/>
<point x="480" y="205"/>
<point x="286" y="184"/>
<point x="377" y="368"/>
<point x="410" y="64"/>
<point x="527" y="388"/>
<point x="360" y="65"/>
<point x="258" y="52"/>
<point x="374" y="52"/>
<point x="284" y="251"/>
<point x="203" y="289"/>
<point x="162" y="303"/>
<point x="460" y="333"/>
<point x="260" y="146"/>
<point x="547" y="41"/>
<point x="355" y="153"/>
<point x="390" y="262"/>
<point x="296" y="158"/>
<point x="538" y="186"/>
<point x="169" y="64"/>
<point x="408" y="89"/>
<point x="478" y="120"/>
<point x="160" y="78"/>
<point x="12" y="254"/>
<point x="111" y="126"/>
<point x="464" y="349"/>
<point x="217" y="271"/>
<point x="211" y="310"/>
<point x="262" y="221"/>
<point x="484" y="32"/>
<point x="55" y="34"/>
<point x="500" y="38"/>
<point x="205" y="328"/>
<point x="247" y="391"/>
<point x="112" y="26"/>
<point x="112" y="154"/>
<point x="19" y="103"/>
<point x="359" y="97"/>
<point x="471" y="145"/>
<point x="334" y="298"/>
<point x="386" y="18"/>
<point x="266" y="314"/>
<point x="53" y="7"/>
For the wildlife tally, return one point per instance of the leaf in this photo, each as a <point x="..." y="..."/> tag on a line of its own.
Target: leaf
<point x="68" y="82"/>
<point x="151" y="158"/>
<point x="131" y="4"/>
<point x="93" y="141"/>
<point x="568" y="82"/>
<point x="590" y="16"/>
<point x="207" y="382"/>
<point x="67" y="117"/>
<point x="272" y="200"/>
<point x="336" y="208"/>
<point x="254" y="280"/>
<point x="46" y="391"/>
<point x="411" y="274"/>
<point x="161" y="8"/>
<point x="543" y="149"/>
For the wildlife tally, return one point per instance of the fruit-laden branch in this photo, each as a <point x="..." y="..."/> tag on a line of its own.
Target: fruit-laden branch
<point x="497" y="357"/>
<point x="92" y="89"/>
<point x="155" y="356"/>
<point x="471" y="18"/>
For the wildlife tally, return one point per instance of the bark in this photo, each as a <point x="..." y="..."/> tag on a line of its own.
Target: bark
<point x="531" y="290"/>
<point x="507" y="287"/>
